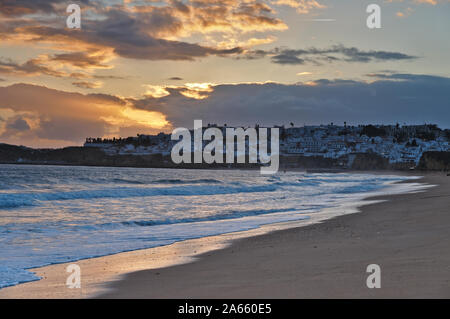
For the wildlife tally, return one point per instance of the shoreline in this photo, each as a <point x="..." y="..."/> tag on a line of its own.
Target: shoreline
<point x="406" y="234"/>
<point x="102" y="276"/>
<point x="337" y="170"/>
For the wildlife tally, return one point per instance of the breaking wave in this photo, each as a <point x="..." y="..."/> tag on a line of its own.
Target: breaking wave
<point x="13" y="200"/>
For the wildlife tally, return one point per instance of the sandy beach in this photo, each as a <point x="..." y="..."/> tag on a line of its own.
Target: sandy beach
<point x="406" y="235"/>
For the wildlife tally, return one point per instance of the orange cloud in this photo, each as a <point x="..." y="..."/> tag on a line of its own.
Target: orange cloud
<point x="153" y="31"/>
<point x="88" y="85"/>
<point x="407" y="12"/>
<point x="301" y="6"/>
<point x="431" y="2"/>
<point x="36" y="115"/>
<point x="226" y="19"/>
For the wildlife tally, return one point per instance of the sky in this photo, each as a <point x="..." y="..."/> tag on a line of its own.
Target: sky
<point x="147" y="66"/>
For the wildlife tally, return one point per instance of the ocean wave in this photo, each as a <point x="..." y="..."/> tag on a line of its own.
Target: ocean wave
<point x="13" y="276"/>
<point x="181" y="181"/>
<point x="169" y="221"/>
<point x="13" y="200"/>
<point x="143" y="182"/>
<point x="127" y="181"/>
<point x="299" y="183"/>
<point x="358" y="188"/>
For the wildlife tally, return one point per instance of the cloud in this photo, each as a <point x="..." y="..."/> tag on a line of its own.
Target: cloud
<point x="331" y="54"/>
<point x="183" y="19"/>
<point x="407" y="12"/>
<point x="18" y="124"/>
<point x="39" y="116"/>
<point x="432" y="2"/>
<point x="287" y="58"/>
<point x="78" y="65"/>
<point x="32" y="67"/>
<point x="304" y="73"/>
<point x="24" y="7"/>
<point x="55" y="66"/>
<point x="130" y="37"/>
<point x="418" y="2"/>
<point x="156" y="91"/>
<point x="83" y="60"/>
<point x="122" y="36"/>
<point x="141" y="30"/>
<point x="149" y="32"/>
<point x="301" y="6"/>
<point x="175" y="78"/>
<point x="390" y="98"/>
<point x="87" y="85"/>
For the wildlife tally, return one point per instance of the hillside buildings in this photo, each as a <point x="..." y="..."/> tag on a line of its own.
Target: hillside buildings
<point x="399" y="144"/>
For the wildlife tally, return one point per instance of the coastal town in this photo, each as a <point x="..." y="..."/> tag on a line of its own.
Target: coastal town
<point x="402" y="144"/>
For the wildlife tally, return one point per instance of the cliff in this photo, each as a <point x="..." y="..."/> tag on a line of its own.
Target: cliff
<point x="435" y="161"/>
<point x="91" y="156"/>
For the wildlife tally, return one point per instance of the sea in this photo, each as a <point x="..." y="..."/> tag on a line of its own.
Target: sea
<point x="58" y="214"/>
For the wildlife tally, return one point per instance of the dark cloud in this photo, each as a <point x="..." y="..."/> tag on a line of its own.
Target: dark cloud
<point x="30" y="67"/>
<point x="286" y="58"/>
<point x="334" y="53"/>
<point x="22" y="7"/>
<point x="86" y="85"/>
<point x="391" y="75"/>
<point x="175" y="78"/>
<point x="107" y="98"/>
<point x="159" y="49"/>
<point x="356" y="55"/>
<point x="127" y="36"/>
<point x="397" y="98"/>
<point x="130" y="38"/>
<point x="51" y="65"/>
<point x="18" y="124"/>
<point x="65" y="128"/>
<point x="81" y="59"/>
<point x="109" y="77"/>
<point x="80" y="75"/>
